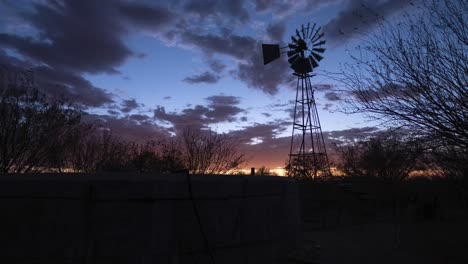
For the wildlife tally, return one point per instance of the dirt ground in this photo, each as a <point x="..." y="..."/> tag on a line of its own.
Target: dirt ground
<point x="416" y="242"/>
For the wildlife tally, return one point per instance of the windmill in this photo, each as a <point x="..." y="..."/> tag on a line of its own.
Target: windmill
<point x="307" y="156"/>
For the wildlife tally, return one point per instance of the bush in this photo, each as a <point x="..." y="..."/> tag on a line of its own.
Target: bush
<point x="387" y="157"/>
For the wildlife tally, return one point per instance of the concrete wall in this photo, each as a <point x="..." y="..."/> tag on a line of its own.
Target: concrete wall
<point x="125" y="218"/>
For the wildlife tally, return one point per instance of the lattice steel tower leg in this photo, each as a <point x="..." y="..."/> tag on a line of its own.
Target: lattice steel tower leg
<point x="307" y="156"/>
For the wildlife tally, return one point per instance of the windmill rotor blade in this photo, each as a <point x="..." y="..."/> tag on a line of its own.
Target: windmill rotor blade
<point x="319" y="43"/>
<point x="295" y="64"/>
<point x="293" y="58"/>
<point x="315" y="34"/>
<point x="313" y="62"/>
<point x="317" y="56"/>
<point x="307" y="65"/>
<point x="298" y="65"/>
<point x="292" y="46"/>
<point x="297" y="33"/>
<point x="270" y="52"/>
<point x="292" y="53"/>
<point x="311" y="31"/>
<point x="302" y="65"/>
<point x="319" y="50"/>
<point x="293" y="39"/>
<point x="318" y="37"/>
<point x="302" y="31"/>
<point x="307" y="30"/>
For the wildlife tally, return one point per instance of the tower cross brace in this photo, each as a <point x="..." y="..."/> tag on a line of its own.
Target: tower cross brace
<point x="307" y="156"/>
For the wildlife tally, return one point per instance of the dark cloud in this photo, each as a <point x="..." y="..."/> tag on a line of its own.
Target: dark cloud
<point x="59" y="83"/>
<point x="167" y="97"/>
<point x="139" y="117"/>
<point x="247" y="51"/>
<point x="262" y="5"/>
<point x="217" y="100"/>
<point x="70" y="86"/>
<point x="276" y="31"/>
<point x="285" y="9"/>
<point x="266" y="114"/>
<point x="73" y="37"/>
<point x="315" y="4"/>
<point x="223" y="108"/>
<point x="129" y="105"/>
<point x="238" y="47"/>
<point x="85" y="35"/>
<point x="327" y="106"/>
<point x="382" y="91"/>
<point x="219" y="109"/>
<point x="216" y="65"/>
<point x="280" y="8"/>
<point x="76" y="37"/>
<point x="151" y="17"/>
<point x="113" y="112"/>
<point x="219" y="9"/>
<point x="332" y="96"/>
<point x="261" y="132"/>
<point x="191" y="117"/>
<point x="79" y="36"/>
<point x="206" y="77"/>
<point x="129" y="128"/>
<point x="360" y="16"/>
<point x="322" y="87"/>
<point x="266" y="78"/>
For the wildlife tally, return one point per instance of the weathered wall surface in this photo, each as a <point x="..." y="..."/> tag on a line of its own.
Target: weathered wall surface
<point x="125" y="218"/>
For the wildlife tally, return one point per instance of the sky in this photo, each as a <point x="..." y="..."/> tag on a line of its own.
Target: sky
<point x="151" y="68"/>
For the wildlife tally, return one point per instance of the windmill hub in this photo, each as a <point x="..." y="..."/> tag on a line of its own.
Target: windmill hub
<point x="301" y="46"/>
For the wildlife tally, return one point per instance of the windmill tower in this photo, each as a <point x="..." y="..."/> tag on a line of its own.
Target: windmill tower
<point x="307" y="156"/>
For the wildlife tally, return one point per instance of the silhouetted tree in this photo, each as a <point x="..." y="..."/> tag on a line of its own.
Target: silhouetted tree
<point x="351" y="159"/>
<point x="265" y="171"/>
<point x="98" y="149"/>
<point x="34" y="131"/>
<point x="115" y="154"/>
<point x="199" y="152"/>
<point x="162" y="156"/>
<point x="449" y="161"/>
<point x="414" y="74"/>
<point x="205" y="152"/>
<point x="388" y="157"/>
<point x="171" y="155"/>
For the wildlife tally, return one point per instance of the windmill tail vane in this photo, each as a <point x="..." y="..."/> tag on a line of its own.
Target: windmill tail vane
<point x="307" y="156"/>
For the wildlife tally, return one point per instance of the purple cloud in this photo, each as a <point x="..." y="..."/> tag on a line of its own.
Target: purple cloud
<point x="220" y="10"/>
<point x="134" y="128"/>
<point x="206" y="77"/>
<point x="360" y="16"/>
<point x="128" y="105"/>
<point x="220" y="108"/>
<point x="332" y="96"/>
<point x="150" y="17"/>
<point x="59" y="83"/>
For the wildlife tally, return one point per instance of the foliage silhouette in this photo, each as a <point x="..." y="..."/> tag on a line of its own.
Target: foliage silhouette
<point x="388" y="157"/>
<point x="205" y="152"/>
<point x="413" y="74"/>
<point x="264" y="171"/>
<point x="34" y="132"/>
<point x="39" y="134"/>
